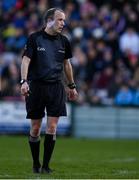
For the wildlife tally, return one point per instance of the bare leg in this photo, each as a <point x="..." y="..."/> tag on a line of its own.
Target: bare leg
<point x="51" y="125"/>
<point x="35" y="127"/>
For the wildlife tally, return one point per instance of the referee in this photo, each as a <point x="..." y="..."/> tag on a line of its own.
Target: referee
<point x="46" y="54"/>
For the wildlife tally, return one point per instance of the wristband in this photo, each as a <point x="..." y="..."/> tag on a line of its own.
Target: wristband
<point x="22" y="81"/>
<point x="72" y="85"/>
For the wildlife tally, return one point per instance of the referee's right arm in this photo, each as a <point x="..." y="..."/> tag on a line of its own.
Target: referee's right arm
<point x="24" y="72"/>
<point x="24" y="67"/>
<point x="27" y="56"/>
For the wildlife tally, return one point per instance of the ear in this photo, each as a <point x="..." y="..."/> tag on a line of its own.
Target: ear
<point x="50" y="23"/>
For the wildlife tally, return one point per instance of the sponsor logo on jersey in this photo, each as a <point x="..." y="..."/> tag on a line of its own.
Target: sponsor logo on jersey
<point x="61" y="51"/>
<point x="41" y="49"/>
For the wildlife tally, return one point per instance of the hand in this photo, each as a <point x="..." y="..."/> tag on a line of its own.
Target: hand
<point x="25" y="89"/>
<point x="72" y="94"/>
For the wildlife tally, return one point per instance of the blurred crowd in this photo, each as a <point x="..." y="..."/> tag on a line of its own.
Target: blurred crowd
<point x="105" y="41"/>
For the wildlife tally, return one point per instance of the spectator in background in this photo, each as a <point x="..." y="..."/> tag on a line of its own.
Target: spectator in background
<point x="79" y="63"/>
<point x="101" y="83"/>
<point x="124" y="96"/>
<point x="129" y="42"/>
<point x="10" y="78"/>
<point x="136" y="97"/>
<point x="16" y="42"/>
<point x="114" y="87"/>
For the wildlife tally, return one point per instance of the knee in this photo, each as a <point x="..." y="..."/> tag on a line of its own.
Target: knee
<point x="51" y="129"/>
<point x="35" y="131"/>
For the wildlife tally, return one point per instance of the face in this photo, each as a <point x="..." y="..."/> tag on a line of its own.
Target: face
<point x="58" y="22"/>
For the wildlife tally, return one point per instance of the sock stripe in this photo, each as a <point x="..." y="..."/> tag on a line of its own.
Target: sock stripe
<point x="51" y="135"/>
<point x="34" y="139"/>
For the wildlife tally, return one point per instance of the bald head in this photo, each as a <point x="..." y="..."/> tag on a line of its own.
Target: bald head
<point x="50" y="13"/>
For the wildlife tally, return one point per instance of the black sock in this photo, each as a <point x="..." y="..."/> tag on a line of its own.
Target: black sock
<point x="49" y="143"/>
<point x="34" y="143"/>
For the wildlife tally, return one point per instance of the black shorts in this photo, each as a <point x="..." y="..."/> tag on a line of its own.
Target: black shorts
<point x="50" y="97"/>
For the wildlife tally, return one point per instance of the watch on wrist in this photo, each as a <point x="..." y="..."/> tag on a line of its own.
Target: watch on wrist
<point x="22" y="81"/>
<point x="72" y="85"/>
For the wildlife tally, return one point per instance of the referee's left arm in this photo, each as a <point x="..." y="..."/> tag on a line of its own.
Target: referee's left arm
<point x="72" y="93"/>
<point x="68" y="71"/>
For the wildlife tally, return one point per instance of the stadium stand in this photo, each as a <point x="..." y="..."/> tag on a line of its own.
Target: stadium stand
<point x="104" y="38"/>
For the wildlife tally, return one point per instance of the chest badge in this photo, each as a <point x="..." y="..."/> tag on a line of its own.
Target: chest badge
<point x="41" y="49"/>
<point x="61" y="51"/>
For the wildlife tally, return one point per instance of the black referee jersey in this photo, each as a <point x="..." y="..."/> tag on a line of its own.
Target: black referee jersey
<point x="47" y="54"/>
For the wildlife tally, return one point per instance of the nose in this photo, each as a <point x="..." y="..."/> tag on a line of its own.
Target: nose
<point x="63" y="23"/>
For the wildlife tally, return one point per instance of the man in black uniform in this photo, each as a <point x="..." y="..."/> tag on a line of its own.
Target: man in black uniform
<point x="46" y="54"/>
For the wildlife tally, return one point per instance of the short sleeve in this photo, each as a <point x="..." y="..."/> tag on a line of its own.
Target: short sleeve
<point x="29" y="47"/>
<point x="68" y="51"/>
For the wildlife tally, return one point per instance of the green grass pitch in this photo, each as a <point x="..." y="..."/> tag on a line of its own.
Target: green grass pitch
<point x="72" y="159"/>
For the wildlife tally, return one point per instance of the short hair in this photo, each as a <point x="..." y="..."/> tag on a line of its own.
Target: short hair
<point x="50" y="13"/>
